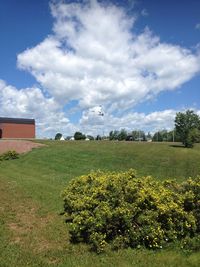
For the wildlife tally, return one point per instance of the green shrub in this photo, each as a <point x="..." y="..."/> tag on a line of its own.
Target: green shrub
<point x="122" y="210"/>
<point x="11" y="154"/>
<point x="191" y="244"/>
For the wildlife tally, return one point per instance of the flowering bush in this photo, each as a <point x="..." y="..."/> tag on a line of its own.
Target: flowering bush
<point x="117" y="210"/>
<point x="191" y="194"/>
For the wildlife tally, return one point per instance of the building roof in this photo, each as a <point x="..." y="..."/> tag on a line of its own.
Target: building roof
<point x="17" y="120"/>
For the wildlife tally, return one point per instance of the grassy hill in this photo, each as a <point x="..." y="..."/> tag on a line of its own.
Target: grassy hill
<point x="32" y="233"/>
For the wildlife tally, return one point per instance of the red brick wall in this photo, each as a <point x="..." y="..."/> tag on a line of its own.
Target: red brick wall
<point x="16" y="130"/>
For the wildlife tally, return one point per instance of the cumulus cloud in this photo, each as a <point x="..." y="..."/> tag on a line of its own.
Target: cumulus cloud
<point x="95" y="58"/>
<point x="31" y="103"/>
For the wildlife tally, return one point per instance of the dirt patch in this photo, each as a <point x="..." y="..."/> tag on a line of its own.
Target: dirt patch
<point x="30" y="229"/>
<point x="20" y="146"/>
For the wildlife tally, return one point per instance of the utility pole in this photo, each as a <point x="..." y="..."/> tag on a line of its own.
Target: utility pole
<point x="101" y="114"/>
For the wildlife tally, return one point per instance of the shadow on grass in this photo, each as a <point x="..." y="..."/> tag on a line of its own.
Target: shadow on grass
<point x="178" y="146"/>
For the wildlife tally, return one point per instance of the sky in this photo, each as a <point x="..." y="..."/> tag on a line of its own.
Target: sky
<point x="67" y="63"/>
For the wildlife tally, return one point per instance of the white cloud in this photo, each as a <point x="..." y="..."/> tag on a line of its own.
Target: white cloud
<point x="31" y="103"/>
<point x="144" y="13"/>
<point x="95" y="58"/>
<point x="197" y="26"/>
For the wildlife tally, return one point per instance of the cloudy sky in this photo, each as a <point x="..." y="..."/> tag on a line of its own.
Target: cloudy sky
<point x="67" y="63"/>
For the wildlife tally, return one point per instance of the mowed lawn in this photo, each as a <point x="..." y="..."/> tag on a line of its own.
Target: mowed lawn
<point x="32" y="231"/>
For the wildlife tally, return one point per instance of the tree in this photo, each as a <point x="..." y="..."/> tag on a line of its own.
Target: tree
<point x="113" y="135"/>
<point x="172" y="136"/>
<point x="122" y="135"/>
<point x="58" y="136"/>
<point x="142" y="136"/>
<point x="138" y="135"/>
<point x="193" y="137"/>
<point x="79" y="136"/>
<point x="164" y="135"/>
<point x="149" y="136"/>
<point x="90" y="137"/>
<point x="135" y="135"/>
<point x="98" y="137"/>
<point x="187" y="127"/>
<point x="157" y="137"/>
<point x="129" y="137"/>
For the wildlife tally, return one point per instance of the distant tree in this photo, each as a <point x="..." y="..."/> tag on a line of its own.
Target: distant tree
<point x="157" y="137"/>
<point x="142" y="136"/>
<point x="129" y="137"/>
<point x="135" y="135"/>
<point x="68" y="137"/>
<point x="90" y="137"/>
<point x="172" y="136"/>
<point x="187" y="126"/>
<point x="149" y="136"/>
<point x="122" y="135"/>
<point x="98" y="137"/>
<point x="138" y="135"/>
<point x="58" y="136"/>
<point x="79" y="136"/>
<point x="113" y="135"/>
<point x="164" y="134"/>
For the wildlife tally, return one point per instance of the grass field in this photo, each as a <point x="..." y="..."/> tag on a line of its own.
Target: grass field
<point x="32" y="233"/>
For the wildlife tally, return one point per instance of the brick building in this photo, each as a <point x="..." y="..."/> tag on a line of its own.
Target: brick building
<point x="17" y="128"/>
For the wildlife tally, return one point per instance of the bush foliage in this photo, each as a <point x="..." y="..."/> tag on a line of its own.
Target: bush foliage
<point x="11" y="154"/>
<point x="118" y="210"/>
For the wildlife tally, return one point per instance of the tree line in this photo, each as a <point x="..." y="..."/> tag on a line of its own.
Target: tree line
<point x="139" y="135"/>
<point x="186" y="130"/>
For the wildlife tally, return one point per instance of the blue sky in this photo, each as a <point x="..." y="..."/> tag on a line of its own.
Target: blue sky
<point x="62" y="63"/>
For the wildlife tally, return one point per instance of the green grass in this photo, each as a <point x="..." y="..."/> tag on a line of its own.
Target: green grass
<point x="32" y="233"/>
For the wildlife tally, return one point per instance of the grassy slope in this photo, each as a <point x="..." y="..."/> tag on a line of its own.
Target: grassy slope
<point x="31" y="231"/>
